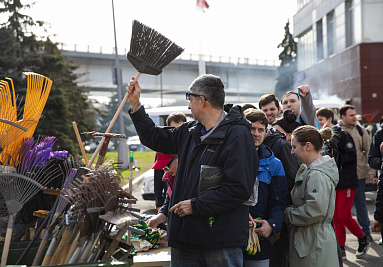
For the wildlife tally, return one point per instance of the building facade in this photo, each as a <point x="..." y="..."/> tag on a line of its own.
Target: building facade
<point x="340" y="51"/>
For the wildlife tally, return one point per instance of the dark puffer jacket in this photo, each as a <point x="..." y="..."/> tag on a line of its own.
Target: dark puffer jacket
<point x="375" y="162"/>
<point x="281" y="148"/>
<point x="230" y="148"/>
<point x="348" y="176"/>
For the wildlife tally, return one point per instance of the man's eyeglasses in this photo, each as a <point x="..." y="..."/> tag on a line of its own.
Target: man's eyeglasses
<point x="167" y="167"/>
<point x="188" y="94"/>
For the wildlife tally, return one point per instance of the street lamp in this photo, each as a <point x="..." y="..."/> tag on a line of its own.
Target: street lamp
<point x="122" y="147"/>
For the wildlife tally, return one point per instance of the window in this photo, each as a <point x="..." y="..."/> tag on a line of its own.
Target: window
<point x="306" y="56"/>
<point x="319" y="29"/>
<point x="330" y="33"/>
<point x="349" y="12"/>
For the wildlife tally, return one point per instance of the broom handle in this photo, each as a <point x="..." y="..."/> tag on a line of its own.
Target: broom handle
<point x="7" y="241"/>
<point x="111" y="124"/>
<point x="72" y="248"/>
<point x="80" y="142"/>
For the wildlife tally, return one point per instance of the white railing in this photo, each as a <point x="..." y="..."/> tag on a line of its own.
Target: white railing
<point x="183" y="56"/>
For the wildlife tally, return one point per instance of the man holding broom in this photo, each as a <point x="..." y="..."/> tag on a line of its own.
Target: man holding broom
<point x="217" y="168"/>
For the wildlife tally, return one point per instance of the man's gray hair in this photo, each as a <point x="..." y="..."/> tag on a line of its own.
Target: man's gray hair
<point x="211" y="87"/>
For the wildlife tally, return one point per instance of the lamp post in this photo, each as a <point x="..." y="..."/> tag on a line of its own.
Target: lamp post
<point x="122" y="147"/>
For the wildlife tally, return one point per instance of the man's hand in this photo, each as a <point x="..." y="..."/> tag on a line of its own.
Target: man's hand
<point x="265" y="230"/>
<point x="303" y="90"/>
<point x="376" y="226"/>
<point x="154" y="222"/>
<point x="182" y="208"/>
<point x="373" y="179"/>
<point x="381" y="147"/>
<point x="134" y="92"/>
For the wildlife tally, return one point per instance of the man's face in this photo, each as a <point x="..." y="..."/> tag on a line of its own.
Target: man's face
<point x="194" y="106"/>
<point x="271" y="111"/>
<point x="323" y="120"/>
<point x="258" y="131"/>
<point x="350" y="117"/>
<point x="292" y="103"/>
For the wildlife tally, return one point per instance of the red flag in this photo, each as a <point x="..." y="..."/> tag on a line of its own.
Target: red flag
<point x="202" y="4"/>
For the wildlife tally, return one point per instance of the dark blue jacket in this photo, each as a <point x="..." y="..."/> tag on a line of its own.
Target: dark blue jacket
<point x="348" y="177"/>
<point x="271" y="194"/>
<point x="375" y="161"/>
<point x="229" y="147"/>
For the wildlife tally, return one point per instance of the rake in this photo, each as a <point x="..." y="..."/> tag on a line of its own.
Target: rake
<point x="20" y="185"/>
<point x="149" y="53"/>
<point x="38" y="89"/>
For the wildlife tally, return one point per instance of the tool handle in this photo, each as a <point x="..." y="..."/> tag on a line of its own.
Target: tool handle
<point x="114" y="244"/>
<point x="72" y="248"/>
<point x="7" y="243"/>
<point x="56" y="256"/>
<point x="80" y="142"/>
<point x="41" y="249"/>
<point x="111" y="124"/>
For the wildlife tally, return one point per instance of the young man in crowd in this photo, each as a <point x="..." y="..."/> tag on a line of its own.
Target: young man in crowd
<point x="302" y="105"/>
<point x="362" y="146"/>
<point x="269" y="104"/>
<point x="272" y="190"/>
<point x="218" y="140"/>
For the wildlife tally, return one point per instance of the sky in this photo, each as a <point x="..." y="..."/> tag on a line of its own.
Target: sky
<point x="229" y="28"/>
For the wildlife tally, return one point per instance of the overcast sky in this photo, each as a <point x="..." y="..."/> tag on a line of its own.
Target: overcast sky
<point x="236" y="28"/>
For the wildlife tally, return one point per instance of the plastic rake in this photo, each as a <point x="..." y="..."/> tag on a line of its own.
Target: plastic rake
<point x="38" y="89"/>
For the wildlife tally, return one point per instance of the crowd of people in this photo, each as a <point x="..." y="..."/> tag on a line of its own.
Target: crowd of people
<point x="272" y="186"/>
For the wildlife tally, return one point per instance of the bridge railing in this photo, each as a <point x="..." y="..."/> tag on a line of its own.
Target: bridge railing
<point x="183" y="56"/>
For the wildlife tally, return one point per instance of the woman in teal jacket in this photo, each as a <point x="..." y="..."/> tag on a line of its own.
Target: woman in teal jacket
<point x="312" y="237"/>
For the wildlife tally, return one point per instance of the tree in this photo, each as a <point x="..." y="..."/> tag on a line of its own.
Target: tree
<point x="288" y="65"/>
<point x="21" y="50"/>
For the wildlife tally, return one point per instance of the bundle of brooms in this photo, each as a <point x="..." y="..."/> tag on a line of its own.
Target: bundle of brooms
<point x="149" y="53"/>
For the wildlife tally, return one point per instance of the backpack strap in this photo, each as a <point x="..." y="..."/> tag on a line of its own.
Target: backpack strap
<point x="359" y="130"/>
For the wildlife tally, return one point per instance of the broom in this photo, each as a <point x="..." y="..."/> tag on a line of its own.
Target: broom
<point x="149" y="53"/>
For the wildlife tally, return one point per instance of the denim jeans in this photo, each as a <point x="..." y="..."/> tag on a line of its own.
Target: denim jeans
<point x="225" y="257"/>
<point x="361" y="206"/>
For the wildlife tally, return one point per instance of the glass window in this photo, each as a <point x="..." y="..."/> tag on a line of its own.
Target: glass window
<point x="319" y="29"/>
<point x="330" y="33"/>
<point x="306" y="56"/>
<point x="349" y="22"/>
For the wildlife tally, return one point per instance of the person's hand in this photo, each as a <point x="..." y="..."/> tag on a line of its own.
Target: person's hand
<point x="381" y="147"/>
<point x="376" y="226"/>
<point x="251" y="221"/>
<point x="134" y="92"/>
<point x="156" y="220"/>
<point x="373" y="178"/>
<point x="182" y="208"/>
<point x="265" y="230"/>
<point x="303" y="90"/>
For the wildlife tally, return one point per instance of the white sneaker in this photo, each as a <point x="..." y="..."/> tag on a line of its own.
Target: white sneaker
<point x="380" y="241"/>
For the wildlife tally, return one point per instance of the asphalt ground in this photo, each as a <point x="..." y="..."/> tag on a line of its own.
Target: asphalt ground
<point x="373" y="258"/>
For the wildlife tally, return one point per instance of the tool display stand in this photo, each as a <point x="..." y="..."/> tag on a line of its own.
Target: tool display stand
<point x="121" y="257"/>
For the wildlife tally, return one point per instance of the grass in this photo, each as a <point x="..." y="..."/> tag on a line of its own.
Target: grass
<point x="144" y="160"/>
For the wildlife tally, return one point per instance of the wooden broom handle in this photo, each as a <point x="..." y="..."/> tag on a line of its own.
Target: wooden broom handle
<point x="7" y="243"/>
<point x="80" y="142"/>
<point x="111" y="125"/>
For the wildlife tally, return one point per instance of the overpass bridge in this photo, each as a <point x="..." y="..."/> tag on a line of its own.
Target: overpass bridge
<point x="245" y="79"/>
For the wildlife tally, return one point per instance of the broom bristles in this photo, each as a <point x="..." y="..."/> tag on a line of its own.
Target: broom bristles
<point x="152" y="47"/>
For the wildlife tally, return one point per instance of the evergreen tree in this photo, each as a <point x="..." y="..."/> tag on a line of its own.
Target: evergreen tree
<point x="21" y="50"/>
<point x="288" y="65"/>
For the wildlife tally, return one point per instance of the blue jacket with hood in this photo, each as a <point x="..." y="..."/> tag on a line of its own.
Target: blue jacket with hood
<point x="272" y="191"/>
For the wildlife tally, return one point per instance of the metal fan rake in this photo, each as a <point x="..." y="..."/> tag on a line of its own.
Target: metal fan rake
<point x="18" y="186"/>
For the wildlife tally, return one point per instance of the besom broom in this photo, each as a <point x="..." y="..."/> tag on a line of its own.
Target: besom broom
<point x="149" y="53"/>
